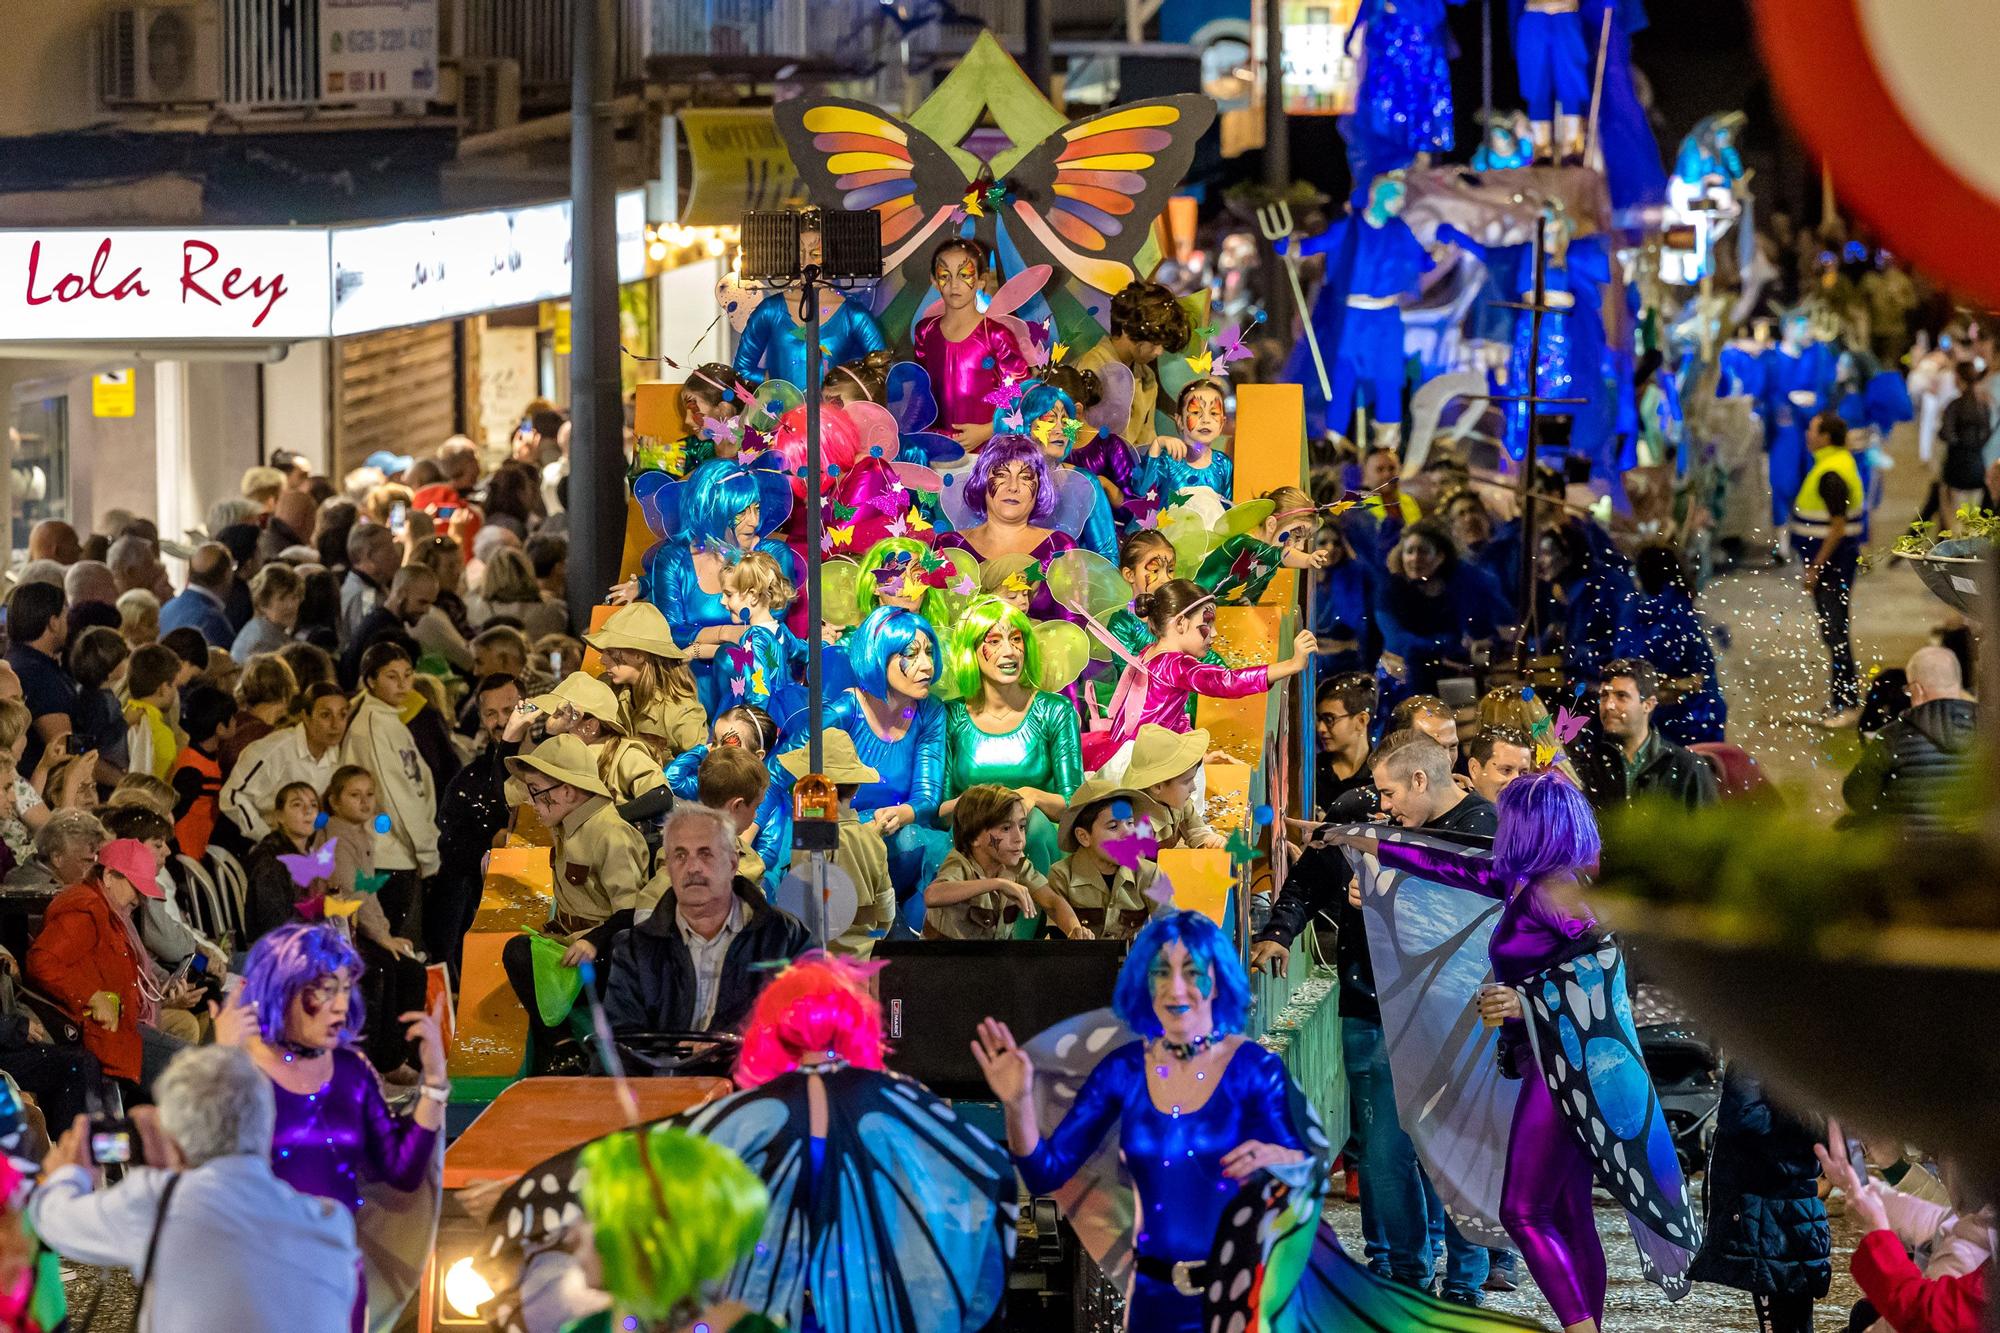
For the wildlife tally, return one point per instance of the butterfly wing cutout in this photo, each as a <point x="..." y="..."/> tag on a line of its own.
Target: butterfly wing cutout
<point x="1084" y="199"/>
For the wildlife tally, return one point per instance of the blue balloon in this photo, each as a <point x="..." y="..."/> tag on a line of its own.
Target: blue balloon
<point x="382" y="824"/>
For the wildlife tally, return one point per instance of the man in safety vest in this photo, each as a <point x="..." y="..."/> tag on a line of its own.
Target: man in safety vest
<point x="1829" y="526"/>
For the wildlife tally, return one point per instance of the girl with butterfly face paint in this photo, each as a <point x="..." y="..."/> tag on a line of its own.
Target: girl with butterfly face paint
<point x="1196" y="458"/>
<point x="967" y="355"/>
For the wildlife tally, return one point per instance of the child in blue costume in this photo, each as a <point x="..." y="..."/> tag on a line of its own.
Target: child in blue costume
<point x="1553" y="62"/>
<point x="773" y="345"/>
<point x="1051" y="419"/>
<point x="898" y="730"/>
<point x="1666" y="632"/>
<point x="752" y="728"/>
<point x="1198" y="1108"/>
<point x="719" y="514"/>
<point x="1374" y="259"/>
<point x="1798" y="375"/>
<point x="1202" y="415"/>
<point x="766" y="665"/>
<point x="1405" y="105"/>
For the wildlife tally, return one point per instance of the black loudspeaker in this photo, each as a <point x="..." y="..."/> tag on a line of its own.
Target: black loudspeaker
<point x="934" y="992"/>
<point x="850" y="247"/>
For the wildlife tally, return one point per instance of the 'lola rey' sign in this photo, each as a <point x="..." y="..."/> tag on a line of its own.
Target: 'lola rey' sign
<point x="222" y="283"/>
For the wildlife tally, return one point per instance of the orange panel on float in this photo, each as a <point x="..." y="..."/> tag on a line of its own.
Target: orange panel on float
<point x="1244" y="636"/>
<point x="656" y="411"/>
<point x="639" y="539"/>
<point x="1270" y="451"/>
<point x="1226" y="794"/>
<point x="1201" y="880"/>
<point x="492" y="1028"/>
<point x="592" y="663"/>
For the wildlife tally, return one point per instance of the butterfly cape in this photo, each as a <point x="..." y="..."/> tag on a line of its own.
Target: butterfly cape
<point x="908" y="1223"/>
<point x="1430" y="945"/>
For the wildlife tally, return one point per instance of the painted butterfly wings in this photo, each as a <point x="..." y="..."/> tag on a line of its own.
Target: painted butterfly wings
<point x="313" y="866"/>
<point x="1085" y="198"/>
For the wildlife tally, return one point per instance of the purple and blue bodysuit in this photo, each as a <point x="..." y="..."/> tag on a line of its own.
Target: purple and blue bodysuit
<point x="1545" y="1202"/>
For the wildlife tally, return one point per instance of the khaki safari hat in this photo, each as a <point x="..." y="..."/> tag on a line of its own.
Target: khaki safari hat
<point x="1160" y="755"/>
<point x="588" y="695"/>
<point x="639" y="627"/>
<point x="843" y="765"/>
<point x="1095" y="793"/>
<point x="564" y="758"/>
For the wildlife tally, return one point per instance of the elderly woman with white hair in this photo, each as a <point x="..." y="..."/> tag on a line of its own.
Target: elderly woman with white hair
<point x="211" y="1235"/>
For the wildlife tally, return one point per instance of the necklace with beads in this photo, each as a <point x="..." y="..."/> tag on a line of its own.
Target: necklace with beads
<point x="1188" y="1050"/>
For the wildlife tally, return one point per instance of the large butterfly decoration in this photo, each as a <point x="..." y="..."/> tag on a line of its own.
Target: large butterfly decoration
<point x="1082" y="200"/>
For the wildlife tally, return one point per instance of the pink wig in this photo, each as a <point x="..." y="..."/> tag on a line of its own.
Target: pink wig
<point x="816" y="1010"/>
<point x="840" y="442"/>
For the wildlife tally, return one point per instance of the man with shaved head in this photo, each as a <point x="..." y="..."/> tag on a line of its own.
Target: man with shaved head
<point x="54" y="540"/>
<point x="1913" y="772"/>
<point x="202" y="604"/>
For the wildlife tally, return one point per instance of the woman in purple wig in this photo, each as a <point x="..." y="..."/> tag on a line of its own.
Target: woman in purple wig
<point x="1012" y="494"/>
<point x="299" y="1016"/>
<point x="1547" y="841"/>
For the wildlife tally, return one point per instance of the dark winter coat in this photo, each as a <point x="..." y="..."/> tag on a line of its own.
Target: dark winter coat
<point x="1672" y="770"/>
<point x="1906" y="773"/>
<point x="1766" y="1229"/>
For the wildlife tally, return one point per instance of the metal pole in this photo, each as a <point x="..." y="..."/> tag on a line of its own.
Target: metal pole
<point x="1528" y="498"/>
<point x="1037" y="52"/>
<point x="814" y="696"/>
<point x="597" y="421"/>
<point x="1277" y="161"/>
<point x="1485" y="66"/>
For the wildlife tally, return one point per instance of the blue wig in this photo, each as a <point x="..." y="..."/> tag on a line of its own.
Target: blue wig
<point x="289" y="960"/>
<point x="1036" y="398"/>
<point x="717" y="493"/>
<point x="1546" y="829"/>
<point x="883" y="636"/>
<point x="1003" y="450"/>
<point x="1132" y="998"/>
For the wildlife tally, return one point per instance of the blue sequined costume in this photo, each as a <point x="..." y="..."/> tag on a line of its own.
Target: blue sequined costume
<point x="1160" y="479"/>
<point x="1174" y="1159"/>
<point x="912" y="773"/>
<point x="773" y="345"/>
<point x="1404" y="106"/>
<point x="1552" y="60"/>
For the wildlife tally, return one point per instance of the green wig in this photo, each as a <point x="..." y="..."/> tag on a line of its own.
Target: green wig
<point x="671" y="1212"/>
<point x="979" y="619"/>
<point x="934" y="607"/>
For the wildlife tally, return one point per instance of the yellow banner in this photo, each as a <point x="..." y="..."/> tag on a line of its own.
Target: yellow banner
<point x="738" y="165"/>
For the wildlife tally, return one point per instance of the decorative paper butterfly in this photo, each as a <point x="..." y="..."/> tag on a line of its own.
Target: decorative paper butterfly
<point x="1011" y="421"/>
<point x="371" y="883"/>
<point x="1161" y="891"/>
<point x="841" y="512"/>
<point x="728" y="429"/>
<point x="320" y="907"/>
<point x="1227" y="348"/>
<point x="1081" y="200"/>
<point x="1569" y="725"/>
<point x="1199" y="363"/>
<point x="840" y="536"/>
<point x="1241" y="849"/>
<point x="313" y="866"/>
<point x="1007" y="395"/>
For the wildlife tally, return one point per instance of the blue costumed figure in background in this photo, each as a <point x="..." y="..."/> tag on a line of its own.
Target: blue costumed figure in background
<point x="1404" y="107"/>
<point x="1666" y="631"/>
<point x="1373" y="260"/>
<point x="1798" y="376"/>
<point x="1552" y="60"/>
<point x="1632" y="167"/>
<point x="722" y="512"/>
<point x="1575" y="359"/>
<point x="773" y="342"/>
<point x="899" y="731"/>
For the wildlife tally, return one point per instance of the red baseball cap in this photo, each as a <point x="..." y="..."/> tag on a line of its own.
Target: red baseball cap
<point x="134" y="860"/>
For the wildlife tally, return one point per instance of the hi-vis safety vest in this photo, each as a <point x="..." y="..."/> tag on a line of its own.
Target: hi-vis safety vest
<point x="1810" y="518"/>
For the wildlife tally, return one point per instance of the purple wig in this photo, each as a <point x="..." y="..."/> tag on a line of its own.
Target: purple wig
<point x="1546" y="829"/>
<point x="286" y="962"/>
<point x="999" y="452"/>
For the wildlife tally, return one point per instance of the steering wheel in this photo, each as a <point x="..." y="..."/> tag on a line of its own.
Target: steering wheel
<point x="675" y="1050"/>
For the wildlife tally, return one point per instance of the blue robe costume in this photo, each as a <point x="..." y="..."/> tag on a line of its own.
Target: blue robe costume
<point x="1552" y="61"/>
<point x="1363" y="345"/>
<point x="1665" y="631"/>
<point x="1425" y="631"/>
<point x="1785" y="422"/>
<point x="1404" y="107"/>
<point x="1598" y="607"/>
<point x="1342" y="608"/>
<point x="1632" y="166"/>
<point x="1741" y="372"/>
<point x="773" y="346"/>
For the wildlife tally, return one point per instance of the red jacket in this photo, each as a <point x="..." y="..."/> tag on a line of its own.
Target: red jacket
<point x="84" y="949"/>
<point x="1911" y="1302"/>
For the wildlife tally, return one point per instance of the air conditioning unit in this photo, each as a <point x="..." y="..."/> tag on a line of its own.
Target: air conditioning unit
<point x="162" y="55"/>
<point x="489" y="94"/>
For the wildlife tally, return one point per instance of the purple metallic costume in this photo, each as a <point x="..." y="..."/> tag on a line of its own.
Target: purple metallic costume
<point x="1545" y="1202"/>
<point x="331" y="1141"/>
